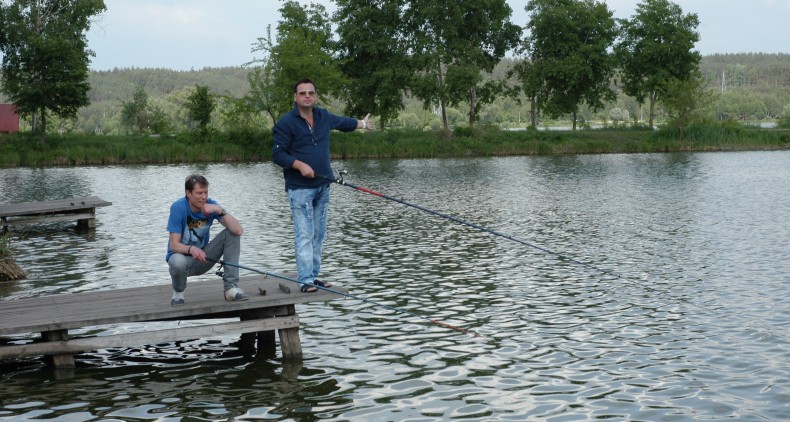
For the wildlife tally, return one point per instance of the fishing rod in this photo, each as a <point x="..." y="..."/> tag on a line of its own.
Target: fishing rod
<point x="348" y="295"/>
<point x="342" y="182"/>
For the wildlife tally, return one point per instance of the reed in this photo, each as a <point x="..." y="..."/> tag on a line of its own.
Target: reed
<point x="724" y="136"/>
<point x="9" y="269"/>
<point x="254" y="146"/>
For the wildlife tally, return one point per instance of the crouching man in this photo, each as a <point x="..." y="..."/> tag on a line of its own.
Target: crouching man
<point x="190" y="251"/>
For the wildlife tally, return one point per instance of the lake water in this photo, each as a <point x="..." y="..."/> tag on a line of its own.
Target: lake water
<point x="651" y="287"/>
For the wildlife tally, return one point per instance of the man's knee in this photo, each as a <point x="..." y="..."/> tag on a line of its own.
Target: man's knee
<point x="178" y="265"/>
<point x="235" y="237"/>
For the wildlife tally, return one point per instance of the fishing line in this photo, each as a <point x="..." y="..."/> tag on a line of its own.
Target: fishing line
<point x="349" y="295"/>
<point x="342" y="182"/>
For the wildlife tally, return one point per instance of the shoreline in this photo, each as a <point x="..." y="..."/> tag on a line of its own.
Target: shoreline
<point x="25" y="150"/>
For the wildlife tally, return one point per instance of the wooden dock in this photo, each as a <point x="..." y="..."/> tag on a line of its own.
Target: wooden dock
<point x="258" y="317"/>
<point x="81" y="209"/>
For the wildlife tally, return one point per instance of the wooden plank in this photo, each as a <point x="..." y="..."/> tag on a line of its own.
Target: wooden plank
<point x="58" y="205"/>
<point x="204" y="299"/>
<point x="48" y="218"/>
<point x="82" y="344"/>
<point x="55" y="314"/>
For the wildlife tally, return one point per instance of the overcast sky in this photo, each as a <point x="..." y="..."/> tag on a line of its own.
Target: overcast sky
<point x="193" y="34"/>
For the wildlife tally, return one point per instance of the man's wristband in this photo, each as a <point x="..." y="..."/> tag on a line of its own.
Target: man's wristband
<point x="364" y="125"/>
<point x="221" y="213"/>
<point x="189" y="249"/>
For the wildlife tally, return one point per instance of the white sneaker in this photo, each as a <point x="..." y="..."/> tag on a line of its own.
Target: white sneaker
<point x="235" y="294"/>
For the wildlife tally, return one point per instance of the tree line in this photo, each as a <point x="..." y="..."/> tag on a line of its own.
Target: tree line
<point x="409" y="62"/>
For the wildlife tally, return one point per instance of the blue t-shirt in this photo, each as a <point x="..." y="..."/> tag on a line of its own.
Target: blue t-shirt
<point x="194" y="227"/>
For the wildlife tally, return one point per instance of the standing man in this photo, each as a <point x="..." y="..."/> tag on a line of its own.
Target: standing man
<point x="301" y="148"/>
<point x="189" y="251"/>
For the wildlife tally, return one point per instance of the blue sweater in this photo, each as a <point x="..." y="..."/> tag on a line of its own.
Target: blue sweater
<point x="295" y="140"/>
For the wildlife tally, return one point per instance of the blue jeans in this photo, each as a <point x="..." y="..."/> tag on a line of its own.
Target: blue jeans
<point x="226" y="245"/>
<point x="308" y="208"/>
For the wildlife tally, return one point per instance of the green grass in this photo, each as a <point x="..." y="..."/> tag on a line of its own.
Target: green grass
<point x="23" y="150"/>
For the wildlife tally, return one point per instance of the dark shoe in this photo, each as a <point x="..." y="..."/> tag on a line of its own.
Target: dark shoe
<point x="322" y="283"/>
<point x="308" y="288"/>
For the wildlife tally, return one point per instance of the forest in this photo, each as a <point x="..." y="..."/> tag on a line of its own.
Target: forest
<point x="419" y="67"/>
<point x="751" y="88"/>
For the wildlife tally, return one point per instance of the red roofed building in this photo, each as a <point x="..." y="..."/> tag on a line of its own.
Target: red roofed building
<point x="9" y="120"/>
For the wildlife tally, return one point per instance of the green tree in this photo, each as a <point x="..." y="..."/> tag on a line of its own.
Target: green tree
<point x="686" y="101"/>
<point x="528" y="83"/>
<point x="619" y="116"/>
<point x="372" y="54"/>
<point x="236" y="114"/>
<point x="568" y="46"/>
<point x="656" y="48"/>
<point x="264" y="96"/>
<point x="135" y="113"/>
<point x="784" y="121"/>
<point x="158" y="120"/>
<point x="304" y="49"/>
<point x="201" y="104"/>
<point x="451" y="44"/>
<point x="45" y="56"/>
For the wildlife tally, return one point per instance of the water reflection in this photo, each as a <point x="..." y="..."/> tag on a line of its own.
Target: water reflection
<point x="30" y="185"/>
<point x="679" y="316"/>
<point x="185" y="379"/>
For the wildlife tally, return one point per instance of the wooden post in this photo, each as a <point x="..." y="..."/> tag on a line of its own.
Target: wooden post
<point x="266" y="343"/>
<point x="61" y="360"/>
<point x="289" y="340"/>
<point x="86" y="224"/>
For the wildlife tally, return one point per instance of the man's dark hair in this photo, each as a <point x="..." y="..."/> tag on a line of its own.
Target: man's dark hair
<point x="195" y="179"/>
<point x="303" y="81"/>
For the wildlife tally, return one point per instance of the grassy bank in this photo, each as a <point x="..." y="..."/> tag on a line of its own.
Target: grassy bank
<point x="9" y="270"/>
<point x="21" y="150"/>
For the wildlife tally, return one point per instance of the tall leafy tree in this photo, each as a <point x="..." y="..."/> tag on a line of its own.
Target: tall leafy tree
<point x="527" y="82"/>
<point x="144" y="115"/>
<point x="135" y="114"/>
<point x="451" y="43"/>
<point x="568" y="46"/>
<point x="686" y="101"/>
<point x="200" y="104"/>
<point x="264" y="95"/>
<point x="655" y="48"/>
<point x="372" y="54"/>
<point x="304" y="49"/>
<point x="45" y="56"/>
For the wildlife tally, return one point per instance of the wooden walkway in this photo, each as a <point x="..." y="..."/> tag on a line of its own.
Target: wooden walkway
<point x="81" y="209"/>
<point x="258" y="317"/>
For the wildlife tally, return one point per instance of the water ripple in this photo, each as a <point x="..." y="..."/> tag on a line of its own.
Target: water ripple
<point x="673" y="305"/>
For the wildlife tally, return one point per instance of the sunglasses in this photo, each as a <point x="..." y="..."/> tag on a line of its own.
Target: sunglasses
<point x="307" y="93"/>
